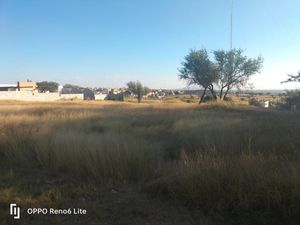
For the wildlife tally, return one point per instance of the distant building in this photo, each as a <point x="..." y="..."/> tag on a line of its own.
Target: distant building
<point x="100" y="96"/>
<point x="27" y="86"/>
<point x="8" y="87"/>
<point x="60" y="88"/>
<point x="20" y="86"/>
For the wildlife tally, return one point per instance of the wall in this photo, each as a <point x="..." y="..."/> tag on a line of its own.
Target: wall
<point x="32" y="96"/>
<point x="100" y="96"/>
<point x="72" y="96"/>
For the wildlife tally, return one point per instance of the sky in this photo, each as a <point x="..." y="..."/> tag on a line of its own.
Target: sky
<point x="99" y="43"/>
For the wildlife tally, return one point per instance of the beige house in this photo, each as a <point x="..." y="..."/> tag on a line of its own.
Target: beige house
<point x="27" y="86"/>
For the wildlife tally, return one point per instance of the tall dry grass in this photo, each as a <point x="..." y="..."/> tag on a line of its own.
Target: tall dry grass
<point x="240" y="165"/>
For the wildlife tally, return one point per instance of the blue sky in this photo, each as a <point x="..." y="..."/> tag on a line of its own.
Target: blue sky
<point x="107" y="43"/>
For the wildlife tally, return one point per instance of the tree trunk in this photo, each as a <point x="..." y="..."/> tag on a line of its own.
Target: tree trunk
<point x="221" y="93"/>
<point x="226" y="93"/>
<point x="202" y="96"/>
<point x="139" y="98"/>
<point x="211" y="88"/>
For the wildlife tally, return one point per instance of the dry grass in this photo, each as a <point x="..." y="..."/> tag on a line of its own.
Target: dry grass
<point x="238" y="165"/>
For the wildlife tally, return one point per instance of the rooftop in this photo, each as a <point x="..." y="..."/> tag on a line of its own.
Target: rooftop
<point x="8" y="85"/>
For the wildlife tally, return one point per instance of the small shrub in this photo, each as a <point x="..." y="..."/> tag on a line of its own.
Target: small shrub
<point x="254" y="102"/>
<point x="229" y="99"/>
<point x="289" y="98"/>
<point x="209" y="98"/>
<point x="292" y="98"/>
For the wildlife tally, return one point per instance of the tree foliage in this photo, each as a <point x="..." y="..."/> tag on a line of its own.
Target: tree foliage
<point x="72" y="89"/>
<point x="137" y="89"/>
<point x="234" y="69"/>
<point x="292" y="78"/>
<point x="46" y="86"/>
<point x="147" y="90"/>
<point x="197" y="69"/>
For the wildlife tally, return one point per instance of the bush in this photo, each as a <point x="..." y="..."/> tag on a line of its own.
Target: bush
<point x="254" y="101"/>
<point x="209" y="98"/>
<point x="292" y="98"/>
<point x="229" y="99"/>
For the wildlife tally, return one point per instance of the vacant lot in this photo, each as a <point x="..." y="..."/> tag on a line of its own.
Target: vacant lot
<point x="150" y="164"/>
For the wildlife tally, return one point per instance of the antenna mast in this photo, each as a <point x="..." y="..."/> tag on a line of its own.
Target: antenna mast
<point x="231" y="17"/>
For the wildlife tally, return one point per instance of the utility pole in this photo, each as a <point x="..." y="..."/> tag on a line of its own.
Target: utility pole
<point x="231" y="18"/>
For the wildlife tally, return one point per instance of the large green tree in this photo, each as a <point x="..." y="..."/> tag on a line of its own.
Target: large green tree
<point x="234" y="69"/>
<point x="45" y="86"/>
<point x="198" y="69"/>
<point x="137" y="89"/>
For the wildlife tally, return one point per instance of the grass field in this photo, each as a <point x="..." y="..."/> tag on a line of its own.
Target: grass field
<point x="150" y="163"/>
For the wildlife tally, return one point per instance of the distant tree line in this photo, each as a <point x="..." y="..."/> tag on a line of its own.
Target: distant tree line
<point x="227" y="70"/>
<point x="72" y="89"/>
<point x="47" y="86"/>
